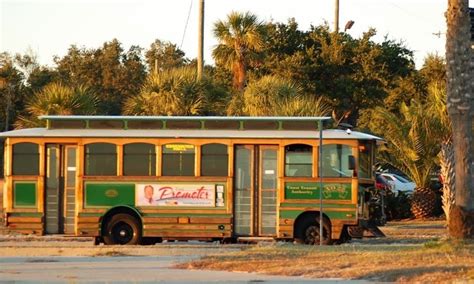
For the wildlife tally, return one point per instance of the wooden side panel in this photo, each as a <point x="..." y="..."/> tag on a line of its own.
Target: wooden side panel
<point x="187" y="227"/>
<point x="88" y="226"/>
<point x="25" y="224"/>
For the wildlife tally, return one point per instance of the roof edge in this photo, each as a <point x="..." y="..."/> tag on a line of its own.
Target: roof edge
<point x="196" y="118"/>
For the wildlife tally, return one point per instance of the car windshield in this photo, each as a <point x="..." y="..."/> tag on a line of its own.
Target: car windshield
<point x="402" y="179"/>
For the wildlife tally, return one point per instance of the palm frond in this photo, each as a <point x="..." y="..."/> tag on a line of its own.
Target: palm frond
<point x="58" y="99"/>
<point x="170" y="92"/>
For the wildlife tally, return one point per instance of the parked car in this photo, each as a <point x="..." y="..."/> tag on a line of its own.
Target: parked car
<point x="381" y="183"/>
<point x="399" y="183"/>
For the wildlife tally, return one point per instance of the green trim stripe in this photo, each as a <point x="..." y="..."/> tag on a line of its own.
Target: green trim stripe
<point x="316" y="204"/>
<point x="186" y="215"/>
<point x="293" y="214"/>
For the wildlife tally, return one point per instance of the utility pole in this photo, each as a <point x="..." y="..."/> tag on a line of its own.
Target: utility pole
<point x="336" y="16"/>
<point x="200" y="58"/>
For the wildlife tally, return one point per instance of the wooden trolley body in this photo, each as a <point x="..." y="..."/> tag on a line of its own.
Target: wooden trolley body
<point x="210" y="178"/>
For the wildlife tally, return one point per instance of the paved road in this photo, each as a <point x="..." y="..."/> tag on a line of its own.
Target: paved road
<point x="127" y="269"/>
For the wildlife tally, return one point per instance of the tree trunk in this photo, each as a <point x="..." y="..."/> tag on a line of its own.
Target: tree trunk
<point x="460" y="108"/>
<point x="240" y="74"/>
<point x="449" y="177"/>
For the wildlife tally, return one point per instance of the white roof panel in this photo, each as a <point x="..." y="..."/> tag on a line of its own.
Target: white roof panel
<point x="186" y="133"/>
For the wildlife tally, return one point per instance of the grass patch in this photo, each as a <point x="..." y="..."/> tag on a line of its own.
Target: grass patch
<point x="112" y="252"/>
<point x="433" y="259"/>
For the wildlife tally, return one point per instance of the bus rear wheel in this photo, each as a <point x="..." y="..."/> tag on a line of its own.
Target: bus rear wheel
<point x="310" y="231"/>
<point x="122" y="229"/>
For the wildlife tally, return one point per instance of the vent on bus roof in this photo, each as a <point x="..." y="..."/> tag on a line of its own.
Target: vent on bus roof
<point x="181" y="122"/>
<point x="67" y="124"/>
<point x="144" y="124"/>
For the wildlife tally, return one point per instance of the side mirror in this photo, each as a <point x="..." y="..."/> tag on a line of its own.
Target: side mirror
<point x="352" y="162"/>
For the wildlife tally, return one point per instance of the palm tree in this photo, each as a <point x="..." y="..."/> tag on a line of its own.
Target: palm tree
<point x="413" y="143"/>
<point x="170" y="92"/>
<point x="240" y="42"/>
<point x="271" y="95"/>
<point x="436" y="107"/>
<point x="460" y="108"/>
<point x="58" y="99"/>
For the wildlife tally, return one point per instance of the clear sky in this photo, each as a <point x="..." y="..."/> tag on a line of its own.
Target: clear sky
<point x="49" y="27"/>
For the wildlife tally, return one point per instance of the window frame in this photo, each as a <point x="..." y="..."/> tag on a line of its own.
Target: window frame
<point x="181" y="155"/>
<point x="151" y="158"/>
<point x="309" y="165"/>
<point x="85" y="157"/>
<point x="339" y="170"/>
<point x="36" y="156"/>
<point x="214" y="155"/>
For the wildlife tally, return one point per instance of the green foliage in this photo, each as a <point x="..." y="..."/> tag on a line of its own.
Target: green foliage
<point x="174" y="92"/>
<point x="165" y="55"/>
<point x="241" y="40"/>
<point x="273" y="96"/>
<point x="113" y="73"/>
<point x="353" y="74"/>
<point x="263" y="97"/>
<point x="57" y="99"/>
<point x="434" y="69"/>
<point x="12" y="91"/>
<point x="413" y="135"/>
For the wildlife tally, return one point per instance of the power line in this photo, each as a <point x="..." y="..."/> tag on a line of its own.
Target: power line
<point x="418" y="17"/>
<point x="186" y="25"/>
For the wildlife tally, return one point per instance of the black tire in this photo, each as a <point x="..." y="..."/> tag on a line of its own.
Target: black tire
<point x="122" y="229"/>
<point x="309" y="231"/>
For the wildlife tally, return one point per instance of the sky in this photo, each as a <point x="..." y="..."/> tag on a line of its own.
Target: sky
<point x="50" y="27"/>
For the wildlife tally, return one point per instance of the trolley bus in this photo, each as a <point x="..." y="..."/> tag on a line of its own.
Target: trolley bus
<point x="132" y="180"/>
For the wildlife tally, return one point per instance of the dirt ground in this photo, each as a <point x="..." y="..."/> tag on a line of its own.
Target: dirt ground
<point x="412" y="251"/>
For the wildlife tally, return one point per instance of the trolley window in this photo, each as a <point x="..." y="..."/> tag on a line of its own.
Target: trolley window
<point x="139" y="159"/>
<point x="336" y="160"/>
<point x="25" y="159"/>
<point x="298" y="160"/>
<point x="178" y="159"/>
<point x="214" y="160"/>
<point x="100" y="159"/>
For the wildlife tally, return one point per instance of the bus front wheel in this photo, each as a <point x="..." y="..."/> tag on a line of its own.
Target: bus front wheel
<point x="310" y="231"/>
<point x="122" y="229"/>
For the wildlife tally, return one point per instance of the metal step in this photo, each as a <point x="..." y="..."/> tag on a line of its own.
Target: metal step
<point x="365" y="231"/>
<point x="373" y="231"/>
